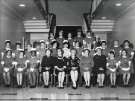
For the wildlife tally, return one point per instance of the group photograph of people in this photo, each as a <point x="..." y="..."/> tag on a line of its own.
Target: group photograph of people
<point x="66" y="61"/>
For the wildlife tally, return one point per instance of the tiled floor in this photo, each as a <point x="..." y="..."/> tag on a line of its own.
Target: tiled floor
<point x="92" y="94"/>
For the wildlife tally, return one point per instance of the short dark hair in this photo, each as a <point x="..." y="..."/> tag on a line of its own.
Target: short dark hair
<point x="60" y="50"/>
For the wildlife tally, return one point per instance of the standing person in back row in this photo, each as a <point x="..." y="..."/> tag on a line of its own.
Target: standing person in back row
<point x="70" y="40"/>
<point x="88" y="40"/>
<point x="128" y="46"/>
<point x="99" y="66"/>
<point x="105" y="49"/>
<point x="116" y="48"/>
<point x="60" y="39"/>
<point x="79" y="37"/>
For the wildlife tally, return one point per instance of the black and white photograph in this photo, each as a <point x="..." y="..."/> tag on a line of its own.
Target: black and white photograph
<point x="67" y="50"/>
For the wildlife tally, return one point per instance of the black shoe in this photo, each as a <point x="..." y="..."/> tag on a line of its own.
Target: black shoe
<point x="126" y="86"/>
<point x="45" y="86"/>
<point x="32" y="86"/>
<point x="73" y="87"/>
<point x="87" y="86"/>
<point x="115" y="86"/>
<point x="59" y="87"/>
<point x="112" y="86"/>
<point x="8" y="85"/>
<point x="62" y="87"/>
<point x="100" y="86"/>
<point x="18" y="86"/>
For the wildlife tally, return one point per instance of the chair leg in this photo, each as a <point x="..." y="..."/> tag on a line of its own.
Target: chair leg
<point x="67" y="79"/>
<point x="80" y="80"/>
<point x="37" y="81"/>
<point x="51" y="80"/>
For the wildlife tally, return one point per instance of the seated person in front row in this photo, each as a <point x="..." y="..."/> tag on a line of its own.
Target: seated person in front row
<point x="32" y="70"/>
<point x="86" y="65"/>
<point x="112" y="66"/>
<point x="7" y="65"/>
<point x="60" y="66"/>
<point x="125" y="67"/>
<point x="20" y="67"/>
<point x="99" y="66"/>
<point x="74" y="68"/>
<point x="47" y="66"/>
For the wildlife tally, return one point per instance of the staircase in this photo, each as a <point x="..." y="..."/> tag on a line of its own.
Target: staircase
<point x="67" y="29"/>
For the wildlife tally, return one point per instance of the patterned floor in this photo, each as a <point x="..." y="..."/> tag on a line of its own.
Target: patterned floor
<point x="93" y="94"/>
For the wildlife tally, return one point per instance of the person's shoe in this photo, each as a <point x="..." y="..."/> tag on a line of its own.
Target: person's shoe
<point x="112" y="86"/>
<point x="31" y="86"/>
<point x="45" y="86"/>
<point x="89" y="86"/>
<point x="62" y="87"/>
<point x="18" y="86"/>
<point x="73" y="87"/>
<point x="86" y="86"/>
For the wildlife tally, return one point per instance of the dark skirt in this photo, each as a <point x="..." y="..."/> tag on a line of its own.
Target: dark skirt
<point x="58" y="71"/>
<point x="45" y="70"/>
<point x="77" y="69"/>
<point x="96" y="70"/>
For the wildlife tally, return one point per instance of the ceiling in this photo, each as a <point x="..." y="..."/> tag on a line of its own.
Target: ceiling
<point x="28" y="12"/>
<point x="108" y="9"/>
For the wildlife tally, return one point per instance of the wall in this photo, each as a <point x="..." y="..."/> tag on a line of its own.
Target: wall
<point x="38" y="36"/>
<point x="11" y="26"/>
<point x="125" y="25"/>
<point x="69" y="12"/>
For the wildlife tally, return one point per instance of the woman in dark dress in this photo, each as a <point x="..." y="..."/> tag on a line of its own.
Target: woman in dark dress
<point x="74" y="65"/>
<point x="60" y="66"/>
<point x="54" y="48"/>
<point x="46" y="65"/>
<point x="70" y="40"/>
<point x="105" y="49"/>
<point x="99" y="66"/>
<point x="16" y="52"/>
